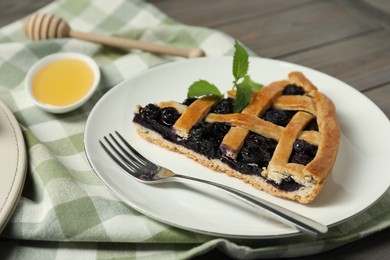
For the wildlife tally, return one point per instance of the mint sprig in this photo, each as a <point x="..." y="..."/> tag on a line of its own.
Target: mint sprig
<point x="240" y="62"/>
<point x="203" y="88"/>
<point x="242" y="82"/>
<point x="247" y="81"/>
<point x="243" y="96"/>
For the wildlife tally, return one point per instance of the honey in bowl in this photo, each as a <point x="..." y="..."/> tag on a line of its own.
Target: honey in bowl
<point x="62" y="82"/>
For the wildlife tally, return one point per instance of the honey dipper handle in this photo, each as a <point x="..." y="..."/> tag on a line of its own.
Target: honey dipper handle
<point x="134" y="44"/>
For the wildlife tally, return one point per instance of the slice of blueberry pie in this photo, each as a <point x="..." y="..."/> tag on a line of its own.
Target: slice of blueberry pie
<point x="284" y="142"/>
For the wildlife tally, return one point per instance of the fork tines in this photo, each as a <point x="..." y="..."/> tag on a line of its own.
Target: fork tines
<point x="125" y="155"/>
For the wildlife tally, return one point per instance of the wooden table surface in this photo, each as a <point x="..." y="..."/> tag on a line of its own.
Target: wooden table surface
<point x="348" y="39"/>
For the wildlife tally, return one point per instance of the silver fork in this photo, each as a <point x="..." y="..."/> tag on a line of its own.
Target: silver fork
<point x="148" y="172"/>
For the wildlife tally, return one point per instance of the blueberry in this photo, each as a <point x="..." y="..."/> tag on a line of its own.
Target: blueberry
<point x="217" y="131"/>
<point x="267" y="155"/>
<point x="257" y="140"/>
<point x="265" y="145"/>
<point x="312" y="125"/>
<point x="151" y="111"/>
<point x="169" y="115"/>
<point x="293" y="89"/>
<point x="207" y="148"/>
<point x="197" y="130"/>
<point x="225" y="106"/>
<point x="248" y="169"/>
<point x="303" y="152"/>
<point x="207" y="130"/>
<point x="251" y="154"/>
<point x="189" y="101"/>
<point x="224" y="128"/>
<point x="301" y="158"/>
<point x="278" y="117"/>
<point x="206" y="137"/>
<point x="301" y="146"/>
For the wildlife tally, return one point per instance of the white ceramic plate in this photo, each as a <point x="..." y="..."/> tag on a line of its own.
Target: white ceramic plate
<point x="13" y="161"/>
<point x="359" y="178"/>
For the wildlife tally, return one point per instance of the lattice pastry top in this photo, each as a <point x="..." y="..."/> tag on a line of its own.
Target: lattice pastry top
<point x="284" y="142"/>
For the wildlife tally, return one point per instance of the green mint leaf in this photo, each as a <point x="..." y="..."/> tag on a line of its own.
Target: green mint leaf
<point x="243" y="96"/>
<point x="203" y="88"/>
<point x="240" y="62"/>
<point x="249" y="82"/>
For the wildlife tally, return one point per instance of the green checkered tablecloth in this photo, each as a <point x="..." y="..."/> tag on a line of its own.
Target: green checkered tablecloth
<point x="65" y="211"/>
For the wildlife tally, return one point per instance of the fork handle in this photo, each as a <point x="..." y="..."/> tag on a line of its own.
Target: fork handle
<point x="302" y="223"/>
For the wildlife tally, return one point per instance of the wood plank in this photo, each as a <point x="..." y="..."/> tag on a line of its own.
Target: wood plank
<point x="381" y="96"/>
<point x="381" y="5"/>
<point x="297" y="29"/>
<point x="361" y="61"/>
<point x="14" y="10"/>
<point x="208" y="13"/>
<point x="377" y="10"/>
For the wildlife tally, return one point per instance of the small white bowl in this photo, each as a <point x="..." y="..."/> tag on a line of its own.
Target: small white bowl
<point x="59" y="56"/>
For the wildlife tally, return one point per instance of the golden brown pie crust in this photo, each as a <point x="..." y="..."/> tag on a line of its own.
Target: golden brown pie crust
<point x="313" y="104"/>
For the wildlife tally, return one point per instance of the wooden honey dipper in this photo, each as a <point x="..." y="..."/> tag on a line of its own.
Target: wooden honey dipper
<point x="48" y="26"/>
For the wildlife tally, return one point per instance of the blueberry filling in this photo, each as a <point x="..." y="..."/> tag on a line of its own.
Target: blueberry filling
<point x="189" y="101"/>
<point x="312" y="125"/>
<point x="265" y="145"/>
<point x="169" y="115"/>
<point x="151" y="112"/>
<point x="255" y="154"/>
<point x="150" y="117"/>
<point x="278" y="117"/>
<point x="303" y="152"/>
<point x="287" y="184"/>
<point x="225" y="106"/>
<point x="292" y="89"/>
<point x="205" y="138"/>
